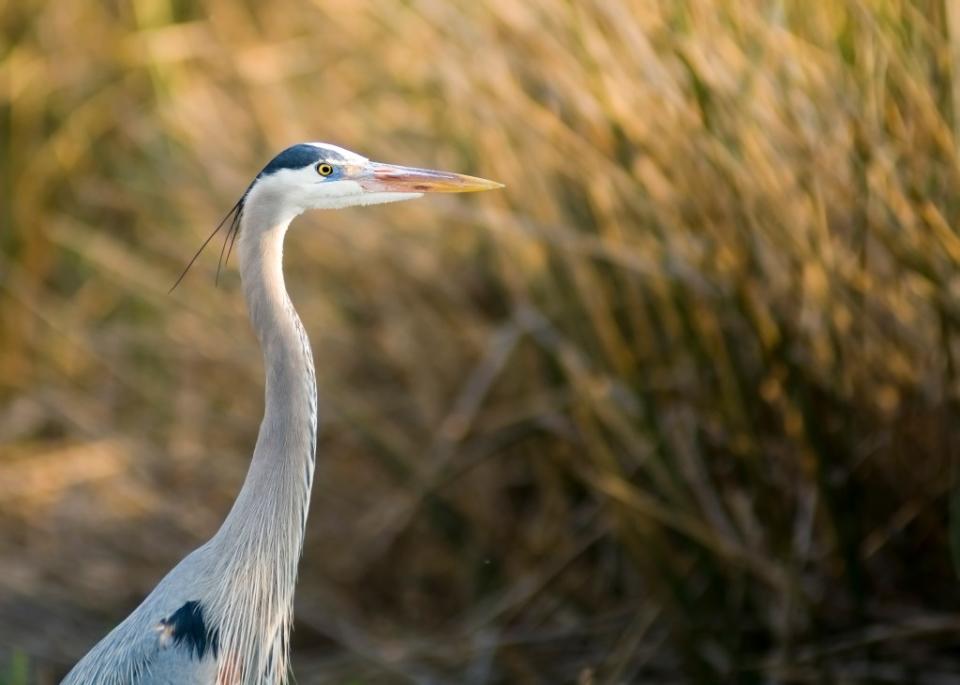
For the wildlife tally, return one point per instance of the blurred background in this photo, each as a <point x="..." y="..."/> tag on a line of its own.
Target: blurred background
<point x="679" y="405"/>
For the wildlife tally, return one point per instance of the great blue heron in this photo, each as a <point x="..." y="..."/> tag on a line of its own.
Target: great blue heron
<point x="222" y="616"/>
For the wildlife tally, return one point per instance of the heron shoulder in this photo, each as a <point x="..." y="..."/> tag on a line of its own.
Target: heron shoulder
<point x="168" y="633"/>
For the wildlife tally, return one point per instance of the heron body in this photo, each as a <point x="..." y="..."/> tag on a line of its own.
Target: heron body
<point x="222" y="616"/>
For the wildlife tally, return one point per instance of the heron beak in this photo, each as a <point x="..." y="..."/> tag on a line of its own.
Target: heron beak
<point x="388" y="178"/>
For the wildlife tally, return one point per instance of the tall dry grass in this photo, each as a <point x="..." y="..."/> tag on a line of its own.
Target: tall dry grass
<point x="679" y="405"/>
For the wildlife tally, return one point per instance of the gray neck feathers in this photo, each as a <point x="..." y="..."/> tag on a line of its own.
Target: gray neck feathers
<point x="261" y="539"/>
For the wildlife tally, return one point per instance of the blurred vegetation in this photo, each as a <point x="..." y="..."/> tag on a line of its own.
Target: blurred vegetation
<point x="17" y="672"/>
<point x="677" y="406"/>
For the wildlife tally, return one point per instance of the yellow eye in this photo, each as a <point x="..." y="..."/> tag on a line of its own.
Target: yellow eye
<point x="324" y="169"/>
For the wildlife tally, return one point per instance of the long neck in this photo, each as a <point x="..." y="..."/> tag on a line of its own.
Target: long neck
<point x="276" y="491"/>
<point x="262" y="537"/>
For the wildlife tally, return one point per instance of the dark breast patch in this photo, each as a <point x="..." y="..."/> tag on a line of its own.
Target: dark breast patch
<point x="186" y="627"/>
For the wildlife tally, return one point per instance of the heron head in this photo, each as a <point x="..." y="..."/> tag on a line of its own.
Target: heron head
<point x="323" y="176"/>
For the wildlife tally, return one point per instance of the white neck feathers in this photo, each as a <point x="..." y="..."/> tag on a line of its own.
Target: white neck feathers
<point x="262" y="538"/>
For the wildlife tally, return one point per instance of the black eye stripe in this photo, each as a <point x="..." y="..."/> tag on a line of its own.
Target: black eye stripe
<point x="301" y="156"/>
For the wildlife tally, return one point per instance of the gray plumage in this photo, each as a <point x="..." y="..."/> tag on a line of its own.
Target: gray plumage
<point x="223" y="615"/>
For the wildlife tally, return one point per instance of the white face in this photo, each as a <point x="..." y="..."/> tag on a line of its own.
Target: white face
<point x="306" y="187"/>
<point x="324" y="176"/>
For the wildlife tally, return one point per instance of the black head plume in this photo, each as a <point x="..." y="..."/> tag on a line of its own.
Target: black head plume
<point x="233" y="228"/>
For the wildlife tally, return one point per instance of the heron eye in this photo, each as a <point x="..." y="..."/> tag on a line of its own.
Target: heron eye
<point x="324" y="169"/>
